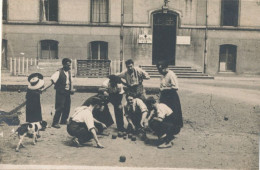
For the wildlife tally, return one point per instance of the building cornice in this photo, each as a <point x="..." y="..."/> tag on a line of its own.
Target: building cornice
<point x="127" y="25"/>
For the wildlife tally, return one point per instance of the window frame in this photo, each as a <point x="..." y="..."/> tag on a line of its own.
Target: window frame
<point x="91" y="12"/>
<point x="43" y="17"/>
<point x="5" y="12"/>
<point x="226" y="48"/>
<point x="222" y="18"/>
<point x="99" y="46"/>
<point x="50" y="42"/>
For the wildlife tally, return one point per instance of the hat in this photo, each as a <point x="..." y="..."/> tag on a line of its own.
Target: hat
<point x="93" y="101"/>
<point x="115" y="79"/>
<point x="36" y="81"/>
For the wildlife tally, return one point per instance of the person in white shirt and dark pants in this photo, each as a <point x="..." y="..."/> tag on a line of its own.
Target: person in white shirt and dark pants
<point x="62" y="81"/>
<point x="168" y="92"/>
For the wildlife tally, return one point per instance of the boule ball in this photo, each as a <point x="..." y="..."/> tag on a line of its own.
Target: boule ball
<point x="124" y="133"/>
<point x="129" y="135"/>
<point x="120" y="134"/>
<point x="114" y="136"/>
<point x="122" y="158"/>
<point x="124" y="137"/>
<point x="133" y="138"/>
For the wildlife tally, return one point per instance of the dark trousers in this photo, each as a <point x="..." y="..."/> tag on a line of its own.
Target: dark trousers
<point x="79" y="130"/>
<point x="104" y="116"/>
<point x="62" y="107"/>
<point x="116" y="101"/>
<point x="171" y="99"/>
<point x="137" y="91"/>
<point x="136" y="119"/>
<point x="166" y="126"/>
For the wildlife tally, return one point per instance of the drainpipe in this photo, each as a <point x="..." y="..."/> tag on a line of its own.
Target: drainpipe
<point x="206" y="38"/>
<point x="1" y="25"/>
<point x="122" y="36"/>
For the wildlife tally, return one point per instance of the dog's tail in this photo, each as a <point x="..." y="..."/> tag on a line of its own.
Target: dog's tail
<point x="13" y="132"/>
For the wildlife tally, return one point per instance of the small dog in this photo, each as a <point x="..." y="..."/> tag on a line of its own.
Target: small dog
<point x="30" y="128"/>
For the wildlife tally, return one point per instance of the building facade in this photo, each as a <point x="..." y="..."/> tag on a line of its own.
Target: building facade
<point x="214" y="36"/>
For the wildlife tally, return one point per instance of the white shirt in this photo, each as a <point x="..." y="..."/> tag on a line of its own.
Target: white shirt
<point x="169" y="81"/>
<point x="56" y="75"/>
<point x="135" y="77"/>
<point x="163" y="110"/>
<point x="137" y="104"/>
<point x="118" y="89"/>
<point x="83" y="114"/>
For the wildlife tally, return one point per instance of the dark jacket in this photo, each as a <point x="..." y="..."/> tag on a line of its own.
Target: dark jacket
<point x="61" y="82"/>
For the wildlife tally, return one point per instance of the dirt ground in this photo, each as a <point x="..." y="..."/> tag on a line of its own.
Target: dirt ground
<point x="221" y="130"/>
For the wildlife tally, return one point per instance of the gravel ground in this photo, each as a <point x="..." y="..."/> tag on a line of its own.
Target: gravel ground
<point x="221" y="130"/>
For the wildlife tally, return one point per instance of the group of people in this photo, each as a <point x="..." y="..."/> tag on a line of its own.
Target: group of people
<point x="163" y="117"/>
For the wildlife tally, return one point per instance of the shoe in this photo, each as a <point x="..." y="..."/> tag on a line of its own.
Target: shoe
<point x="165" y="145"/>
<point x="57" y="126"/>
<point x="104" y="133"/>
<point x="63" y="122"/>
<point x="76" y="142"/>
<point x="122" y="130"/>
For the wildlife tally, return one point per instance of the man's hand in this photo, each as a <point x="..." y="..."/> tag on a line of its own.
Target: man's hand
<point x="133" y="126"/>
<point x="106" y="93"/>
<point x="146" y="124"/>
<point x="72" y="91"/>
<point x="158" y="119"/>
<point x="99" y="145"/>
<point x="104" y="126"/>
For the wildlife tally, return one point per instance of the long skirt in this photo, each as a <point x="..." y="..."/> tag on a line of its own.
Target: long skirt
<point x="171" y="99"/>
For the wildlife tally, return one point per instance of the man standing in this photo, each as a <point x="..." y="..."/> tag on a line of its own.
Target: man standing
<point x="134" y="79"/>
<point x="113" y="88"/>
<point x="62" y="81"/>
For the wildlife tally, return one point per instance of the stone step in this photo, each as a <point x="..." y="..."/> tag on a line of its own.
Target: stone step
<point x="175" y="71"/>
<point x="188" y="76"/>
<point x="180" y="71"/>
<point x="154" y="66"/>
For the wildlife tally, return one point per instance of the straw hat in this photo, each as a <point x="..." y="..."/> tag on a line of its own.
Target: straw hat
<point x="36" y="81"/>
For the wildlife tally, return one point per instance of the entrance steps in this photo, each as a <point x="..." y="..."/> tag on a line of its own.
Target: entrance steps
<point x="180" y="71"/>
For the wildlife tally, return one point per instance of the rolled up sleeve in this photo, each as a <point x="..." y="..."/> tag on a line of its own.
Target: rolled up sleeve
<point x="141" y="105"/>
<point x="89" y="120"/>
<point x="55" y="77"/>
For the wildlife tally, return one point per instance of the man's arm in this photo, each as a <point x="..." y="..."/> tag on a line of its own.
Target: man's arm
<point x="53" y="80"/>
<point x="93" y="131"/>
<point x="103" y="125"/>
<point x="128" y="118"/>
<point x="144" y="119"/>
<point x="48" y="86"/>
<point x="144" y="74"/>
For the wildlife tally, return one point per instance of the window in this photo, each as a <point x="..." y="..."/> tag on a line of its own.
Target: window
<point x="227" y="57"/>
<point x="49" y="10"/>
<point x="99" y="50"/>
<point x="4" y="54"/>
<point x="229" y="12"/>
<point x="4" y="17"/>
<point x="99" y="11"/>
<point x="49" y="49"/>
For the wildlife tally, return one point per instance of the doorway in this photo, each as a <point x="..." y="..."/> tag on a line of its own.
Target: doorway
<point x="164" y="37"/>
<point x="227" y="58"/>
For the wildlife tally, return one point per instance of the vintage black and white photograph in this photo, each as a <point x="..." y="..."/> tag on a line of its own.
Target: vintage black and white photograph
<point x="130" y="84"/>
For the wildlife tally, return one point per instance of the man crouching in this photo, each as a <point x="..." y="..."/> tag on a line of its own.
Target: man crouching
<point x="81" y="124"/>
